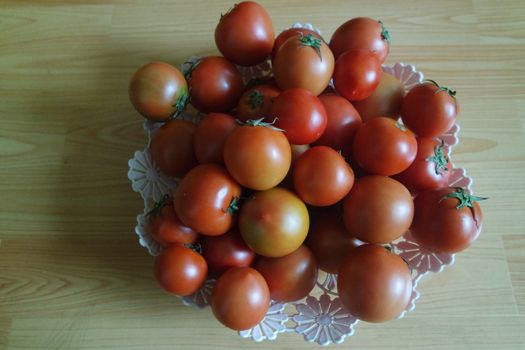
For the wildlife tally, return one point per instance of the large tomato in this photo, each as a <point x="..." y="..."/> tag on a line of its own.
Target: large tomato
<point x="210" y="137"/>
<point x="274" y="223"/>
<point x="245" y="34"/>
<point x="288" y="33"/>
<point x="256" y="102"/>
<point x="446" y="220"/>
<point x="357" y="74"/>
<point x="158" y="91"/>
<point x="378" y="209"/>
<point x="172" y="147"/>
<point x="205" y="199"/>
<point x="165" y="227"/>
<point x="374" y="284"/>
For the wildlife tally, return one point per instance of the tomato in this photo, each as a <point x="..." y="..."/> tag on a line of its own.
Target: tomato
<point x="245" y="34"/>
<point x="210" y="137"/>
<point x="383" y="146"/>
<point x="322" y="177"/>
<point x="171" y="148"/>
<point x="215" y="85"/>
<point x="446" y="220"/>
<point x="290" y="277"/>
<point x="300" y="114"/>
<point x="429" y="110"/>
<point x="357" y="74"/>
<point x="226" y="251"/>
<point x="205" y="199"/>
<point x="257" y="156"/>
<point x="180" y="270"/>
<point x="291" y="32"/>
<point x="303" y="61"/>
<point x="430" y="169"/>
<point x="374" y="284"/>
<point x="361" y="33"/>
<point x="256" y="102"/>
<point x="158" y="91"/>
<point x="385" y="101"/>
<point x="274" y="223"/>
<point x="378" y="209"/>
<point x="165" y="227"/>
<point x="240" y="298"/>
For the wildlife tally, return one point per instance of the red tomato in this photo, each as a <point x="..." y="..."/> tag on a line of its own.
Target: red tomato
<point x="290" y="277"/>
<point x="322" y="177"/>
<point x="446" y="220"/>
<point x="226" y="251"/>
<point x="288" y="33"/>
<point x="171" y="148"/>
<point x="300" y="114"/>
<point x="158" y="91"/>
<point x="357" y="74"/>
<point x="210" y="137"/>
<point x="429" y="110"/>
<point x="215" y="85"/>
<point x="245" y="34"/>
<point x="165" y="227"/>
<point x="180" y="270"/>
<point x="361" y="33"/>
<point x="374" y="284"/>
<point x="240" y="298"/>
<point x="378" y="209"/>
<point x="382" y="146"/>
<point x="256" y="102"/>
<point x="205" y="199"/>
<point x="303" y="61"/>
<point x="274" y="223"/>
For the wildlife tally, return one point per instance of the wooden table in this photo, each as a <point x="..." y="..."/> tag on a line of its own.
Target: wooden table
<point x="72" y="274"/>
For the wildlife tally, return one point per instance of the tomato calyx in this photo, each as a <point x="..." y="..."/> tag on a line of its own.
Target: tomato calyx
<point x="259" y="122"/>
<point x="385" y="33"/>
<point x="440" y="159"/>
<point x="452" y="93"/>
<point x="255" y="99"/>
<point x="196" y="247"/>
<point x="465" y="198"/>
<point x="157" y="208"/>
<point x="401" y="126"/>
<point x="191" y="67"/>
<point x="311" y="41"/>
<point x="180" y="104"/>
<point x="234" y="206"/>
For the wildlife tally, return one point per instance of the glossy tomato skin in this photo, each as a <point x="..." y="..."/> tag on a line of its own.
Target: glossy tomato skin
<point x="258" y="157"/>
<point x="378" y="209"/>
<point x="291" y="32"/>
<point x="245" y="34"/>
<point x="301" y="114"/>
<point x="180" y="270"/>
<point x="357" y="74"/>
<point x="361" y="33"/>
<point x="322" y="177"/>
<point x="215" y="85"/>
<point x="256" y="102"/>
<point x="240" y="298"/>
<point x="427" y="111"/>
<point x="203" y="197"/>
<point x="382" y="146"/>
<point x="226" y="251"/>
<point x="374" y="284"/>
<point x="442" y="228"/>
<point x="158" y="90"/>
<point x="210" y="137"/>
<point x="166" y="228"/>
<point x="274" y="223"/>
<point x="172" y="148"/>
<point x="290" y="277"/>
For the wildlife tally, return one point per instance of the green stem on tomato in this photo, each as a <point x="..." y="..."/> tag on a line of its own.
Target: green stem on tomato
<point x="440" y="159"/>
<point x="452" y="93"/>
<point x="385" y="33"/>
<point x="465" y="199"/>
<point x="259" y="122"/>
<point x="309" y="40"/>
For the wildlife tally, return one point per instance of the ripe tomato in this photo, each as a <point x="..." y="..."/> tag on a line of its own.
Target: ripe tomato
<point x="165" y="227"/>
<point x="300" y="114"/>
<point x="226" y="251"/>
<point x="385" y="101"/>
<point x="210" y="137"/>
<point x="374" y="284"/>
<point x="446" y="220"/>
<point x="288" y="33"/>
<point x="303" y="61"/>
<point x="290" y="277"/>
<point x="383" y="146"/>
<point x="158" y="91"/>
<point x="378" y="209"/>
<point x="274" y="223"/>
<point x="429" y="110"/>
<point x="240" y="298"/>
<point x="256" y="102"/>
<point x="430" y="169"/>
<point x="180" y="270"/>
<point x="361" y="33"/>
<point x="245" y="34"/>
<point x="171" y="148"/>
<point x="205" y="199"/>
<point x="322" y="177"/>
<point x="257" y="156"/>
<point x="215" y="85"/>
<point x="357" y="74"/>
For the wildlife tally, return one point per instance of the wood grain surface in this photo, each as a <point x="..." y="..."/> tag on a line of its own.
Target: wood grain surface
<point x="72" y="275"/>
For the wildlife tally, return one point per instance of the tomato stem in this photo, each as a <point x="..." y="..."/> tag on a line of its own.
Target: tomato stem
<point x="440" y="159"/>
<point x="180" y="104"/>
<point x="309" y="40"/>
<point x="465" y="198"/>
<point x="157" y="208"/>
<point x="260" y="122"/>
<point x="451" y="92"/>
<point x="234" y="205"/>
<point x="385" y="33"/>
<point x="196" y="247"/>
<point x="400" y="126"/>
<point x="255" y="99"/>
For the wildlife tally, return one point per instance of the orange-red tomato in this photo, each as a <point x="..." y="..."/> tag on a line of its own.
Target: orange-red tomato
<point x="256" y="102"/>
<point x="165" y="227"/>
<point x="210" y="137"/>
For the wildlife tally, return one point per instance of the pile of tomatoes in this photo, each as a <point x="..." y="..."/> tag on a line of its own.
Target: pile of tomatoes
<point x="290" y="174"/>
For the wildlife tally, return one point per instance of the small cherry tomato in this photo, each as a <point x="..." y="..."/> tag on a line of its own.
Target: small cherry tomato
<point x="256" y="102"/>
<point x="210" y="137"/>
<point x="165" y="227"/>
